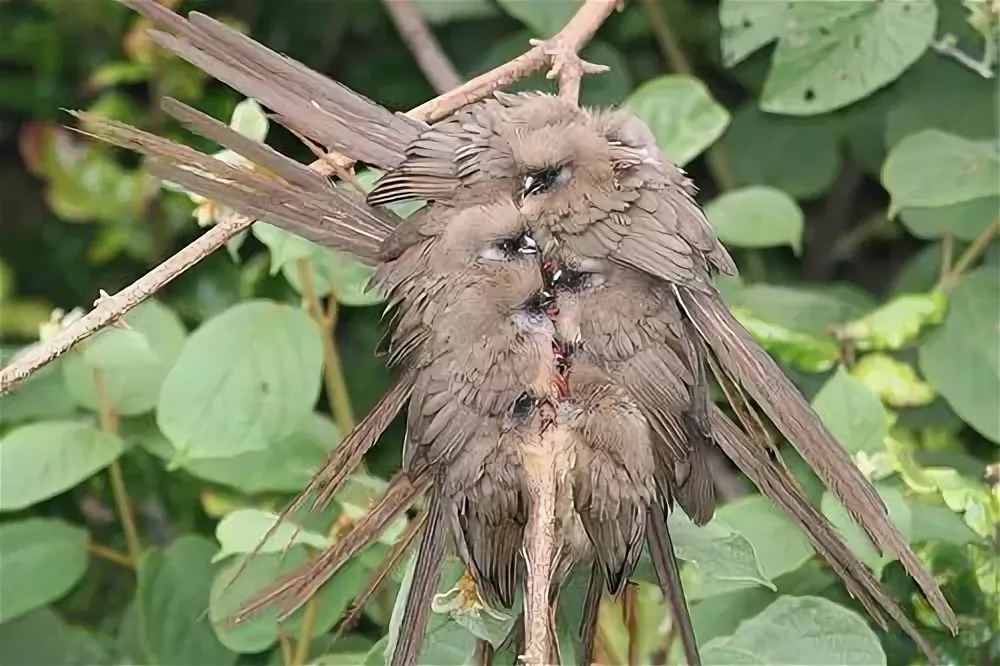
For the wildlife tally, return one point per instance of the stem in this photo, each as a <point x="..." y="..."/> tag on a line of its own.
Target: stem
<point x="336" y="385"/>
<point x="972" y="254"/>
<point x="109" y="554"/>
<point x="109" y="423"/>
<point x="630" y="610"/>
<point x="309" y="616"/>
<point x="285" y="647"/>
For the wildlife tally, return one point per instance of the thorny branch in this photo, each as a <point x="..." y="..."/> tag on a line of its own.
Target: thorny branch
<point x="562" y="48"/>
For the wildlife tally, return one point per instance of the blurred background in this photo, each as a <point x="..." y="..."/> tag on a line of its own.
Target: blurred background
<point x="846" y="152"/>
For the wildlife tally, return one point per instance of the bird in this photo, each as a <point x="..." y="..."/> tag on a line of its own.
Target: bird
<point x="636" y="192"/>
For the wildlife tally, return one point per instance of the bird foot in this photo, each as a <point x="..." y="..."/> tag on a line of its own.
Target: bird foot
<point x="566" y="62"/>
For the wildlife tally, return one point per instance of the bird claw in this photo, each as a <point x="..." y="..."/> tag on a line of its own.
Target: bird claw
<point x="565" y="60"/>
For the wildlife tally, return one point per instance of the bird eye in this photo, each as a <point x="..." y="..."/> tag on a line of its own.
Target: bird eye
<point x="570" y="280"/>
<point x="543" y="180"/>
<point x="523" y="406"/>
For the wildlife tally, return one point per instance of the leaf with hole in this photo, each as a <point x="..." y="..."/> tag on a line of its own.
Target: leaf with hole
<point x="172" y="596"/>
<point x="682" y="114"/>
<point x="132" y="362"/>
<point x="41" y="559"/>
<point x="50" y="458"/>
<point x="757" y="217"/>
<point x="749" y="25"/>
<point x="961" y="359"/>
<point x="245" y="378"/>
<point x="932" y="168"/>
<point x="834" y="53"/>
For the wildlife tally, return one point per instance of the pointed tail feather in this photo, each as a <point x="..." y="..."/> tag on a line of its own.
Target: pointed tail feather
<point x="427" y="572"/>
<point x="661" y="552"/>
<point x="766" y="470"/>
<point x="757" y="373"/>
<point x="591" y="612"/>
<point x="301" y="201"/>
<point x="292" y="591"/>
<point x="305" y="101"/>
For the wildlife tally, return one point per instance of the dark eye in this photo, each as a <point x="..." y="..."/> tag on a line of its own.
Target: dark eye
<point x="523" y="407"/>
<point x="505" y="249"/>
<point x="543" y="180"/>
<point x="570" y="280"/>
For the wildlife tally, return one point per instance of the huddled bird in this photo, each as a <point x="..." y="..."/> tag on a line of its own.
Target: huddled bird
<point x="553" y="312"/>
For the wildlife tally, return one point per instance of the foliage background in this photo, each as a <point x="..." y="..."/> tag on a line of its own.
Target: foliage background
<point x="852" y="168"/>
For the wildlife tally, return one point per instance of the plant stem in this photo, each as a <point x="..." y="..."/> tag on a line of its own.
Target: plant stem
<point x="285" y="647"/>
<point x="336" y="385"/>
<point x="109" y="423"/>
<point x="972" y="254"/>
<point x="109" y="554"/>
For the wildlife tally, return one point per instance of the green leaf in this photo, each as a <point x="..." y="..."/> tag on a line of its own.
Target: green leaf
<point x="682" y="114"/>
<point x="544" y="18"/>
<point x="245" y="378"/>
<point x="261" y="631"/>
<point x="439" y="13"/>
<point x="780" y="546"/>
<point x="285" y="466"/>
<point x="42" y="396"/>
<point x="964" y="220"/>
<point x="721" y="615"/>
<point x="804" y="631"/>
<point x="835" y="53"/>
<point x="749" y="25"/>
<point x="173" y="589"/>
<point x="896" y="383"/>
<point x="51" y="457"/>
<point x="896" y="324"/>
<point x="133" y="362"/>
<point x="720" y="558"/>
<point x="933" y="168"/>
<point x="935" y="522"/>
<point x="242" y="530"/>
<point x="757" y="217"/>
<point x="41" y="559"/>
<point x="249" y="120"/>
<point x="810" y="310"/>
<point x="38" y="638"/>
<point x="961" y="359"/>
<point x="899" y="514"/>
<point x="800" y="156"/>
<point x="853" y="413"/>
<point x="810" y="353"/>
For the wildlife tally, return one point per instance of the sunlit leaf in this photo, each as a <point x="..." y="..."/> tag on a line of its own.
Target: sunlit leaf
<point x="242" y="530"/>
<point x="757" y="217"/>
<point x="852" y="412"/>
<point x="897" y="323"/>
<point x="810" y="353"/>
<point x="249" y="120"/>
<point x="895" y="382"/>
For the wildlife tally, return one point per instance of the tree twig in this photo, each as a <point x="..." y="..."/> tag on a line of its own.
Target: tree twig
<point x="109" y="423"/>
<point x="423" y="45"/>
<point x="970" y="256"/>
<point x="109" y="555"/>
<point x="577" y="32"/>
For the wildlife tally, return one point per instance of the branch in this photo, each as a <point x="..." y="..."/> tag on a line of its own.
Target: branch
<point x="573" y="37"/>
<point x="423" y="45"/>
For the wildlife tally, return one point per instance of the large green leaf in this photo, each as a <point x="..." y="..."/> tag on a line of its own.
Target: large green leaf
<point x="780" y="545"/>
<point x="965" y="220"/>
<point x="241" y="532"/>
<point x="41" y="559"/>
<point x="933" y="168"/>
<point x="961" y="360"/>
<point x="43" y="459"/>
<point x="42" y="396"/>
<point x="245" y="378"/>
<point x="172" y="598"/>
<point x="804" y="631"/>
<point x="834" y="53"/>
<point x="748" y="25"/>
<point x="853" y="413"/>
<point x="682" y="115"/>
<point x="757" y="217"/>
<point x="38" y="638"/>
<point x="808" y="309"/>
<point x="286" y="465"/>
<point x="800" y="156"/>
<point x="133" y="362"/>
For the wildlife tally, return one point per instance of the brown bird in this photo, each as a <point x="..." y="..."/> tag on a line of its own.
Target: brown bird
<point x="598" y="185"/>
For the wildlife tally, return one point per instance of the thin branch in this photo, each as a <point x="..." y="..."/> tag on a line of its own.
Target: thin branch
<point x="971" y="255"/>
<point x="946" y="46"/>
<point x="577" y="32"/>
<point x="423" y="45"/>
<point x="109" y="423"/>
<point x="109" y="555"/>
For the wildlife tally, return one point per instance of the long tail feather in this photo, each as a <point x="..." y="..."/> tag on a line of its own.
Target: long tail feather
<point x="766" y="470"/>
<point x="591" y="612"/>
<point x="304" y="100"/>
<point x="761" y="377"/>
<point x="426" y="574"/>
<point x="661" y="552"/>
<point x="298" y="199"/>
<point x="292" y="591"/>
